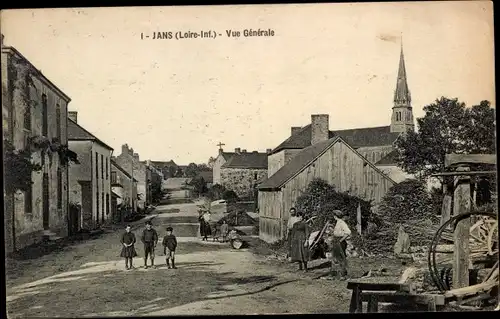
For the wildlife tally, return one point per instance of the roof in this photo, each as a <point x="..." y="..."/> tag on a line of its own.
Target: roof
<point x="389" y="159"/>
<point x="402" y="93"/>
<point x="302" y="160"/>
<point x="227" y="155"/>
<point x="121" y="169"/>
<point x="78" y="133"/>
<point x="162" y="164"/>
<point x="247" y="160"/>
<point x="208" y="176"/>
<point x="357" y="137"/>
<point x="12" y="50"/>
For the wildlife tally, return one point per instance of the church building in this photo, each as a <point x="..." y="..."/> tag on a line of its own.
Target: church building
<point x="344" y="158"/>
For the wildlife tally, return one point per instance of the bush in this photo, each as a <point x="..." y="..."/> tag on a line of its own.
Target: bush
<point x="230" y="196"/>
<point x="408" y="204"/>
<point x="320" y="199"/>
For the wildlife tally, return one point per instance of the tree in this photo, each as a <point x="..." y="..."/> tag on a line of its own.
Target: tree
<point x="203" y="168"/>
<point x="191" y="170"/>
<point x="447" y="127"/>
<point x="199" y="186"/>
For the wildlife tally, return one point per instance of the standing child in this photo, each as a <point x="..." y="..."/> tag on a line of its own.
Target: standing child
<point x="224" y="231"/>
<point x="128" y="250"/>
<point x="150" y="239"/>
<point x="169" y="246"/>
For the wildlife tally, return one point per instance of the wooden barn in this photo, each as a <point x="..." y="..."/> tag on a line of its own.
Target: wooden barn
<point x="332" y="160"/>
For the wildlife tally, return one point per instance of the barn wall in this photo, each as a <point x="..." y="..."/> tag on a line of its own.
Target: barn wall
<point x="270" y="221"/>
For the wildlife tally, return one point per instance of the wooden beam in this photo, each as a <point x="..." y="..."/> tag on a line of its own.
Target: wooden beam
<point x="372" y="286"/>
<point x="446" y="206"/>
<point x="470" y="290"/>
<point x="474" y="173"/>
<point x="461" y="204"/>
<point x="401" y="297"/>
<point x="454" y="159"/>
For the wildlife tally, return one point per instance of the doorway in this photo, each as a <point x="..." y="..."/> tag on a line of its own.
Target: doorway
<point x="46" y="203"/>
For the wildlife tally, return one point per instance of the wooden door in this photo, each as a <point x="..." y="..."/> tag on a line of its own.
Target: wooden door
<point x="46" y="201"/>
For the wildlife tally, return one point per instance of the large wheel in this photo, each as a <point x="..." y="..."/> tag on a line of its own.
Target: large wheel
<point x="483" y="247"/>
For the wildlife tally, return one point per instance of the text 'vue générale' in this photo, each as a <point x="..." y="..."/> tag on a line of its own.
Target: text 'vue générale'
<point x="206" y="34"/>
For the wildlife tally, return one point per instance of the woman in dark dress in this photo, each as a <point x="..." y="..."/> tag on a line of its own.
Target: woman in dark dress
<point x="299" y="251"/>
<point x="128" y="249"/>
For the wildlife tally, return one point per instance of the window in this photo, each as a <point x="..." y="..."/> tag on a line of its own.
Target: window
<point x="27" y="111"/>
<point x="102" y="167"/>
<point x="103" y="202"/>
<point x="107" y="204"/>
<point x="255" y="176"/>
<point x="28" y="200"/>
<point x="58" y="122"/>
<point x="107" y="168"/>
<point x="113" y="177"/>
<point x="45" y="116"/>
<point x="59" y="188"/>
<point x="96" y="165"/>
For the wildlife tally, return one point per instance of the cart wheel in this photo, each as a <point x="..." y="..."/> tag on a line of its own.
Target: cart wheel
<point x="236" y="243"/>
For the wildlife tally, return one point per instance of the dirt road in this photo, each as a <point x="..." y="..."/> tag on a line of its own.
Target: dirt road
<point x="89" y="279"/>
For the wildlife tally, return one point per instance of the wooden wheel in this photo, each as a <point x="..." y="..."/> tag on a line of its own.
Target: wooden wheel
<point x="483" y="247"/>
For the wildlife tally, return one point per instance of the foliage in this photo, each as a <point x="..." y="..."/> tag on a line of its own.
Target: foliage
<point x="199" y="186"/>
<point x="18" y="168"/>
<point x="447" y="127"/>
<point x="408" y="204"/>
<point x="216" y="191"/>
<point x="320" y="199"/>
<point x="193" y="170"/>
<point x="229" y="196"/>
<point x="211" y="162"/>
<point x="50" y="147"/>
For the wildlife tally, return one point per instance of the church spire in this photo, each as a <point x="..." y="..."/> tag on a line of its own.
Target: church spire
<point x="402" y="95"/>
<point x="402" y="114"/>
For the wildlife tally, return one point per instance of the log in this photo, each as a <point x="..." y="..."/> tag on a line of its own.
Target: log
<point x="461" y="205"/>
<point x="471" y="290"/>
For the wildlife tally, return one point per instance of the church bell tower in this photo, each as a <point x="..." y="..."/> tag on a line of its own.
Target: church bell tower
<point x="402" y="111"/>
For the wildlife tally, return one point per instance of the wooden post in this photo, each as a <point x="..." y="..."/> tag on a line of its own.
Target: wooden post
<point x="447" y="199"/>
<point x="461" y="204"/>
<point x="358" y="219"/>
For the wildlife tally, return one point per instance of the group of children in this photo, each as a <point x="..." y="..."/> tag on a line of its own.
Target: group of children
<point x="149" y="239"/>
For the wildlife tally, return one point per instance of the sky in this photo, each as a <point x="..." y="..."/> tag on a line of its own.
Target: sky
<point x="177" y="99"/>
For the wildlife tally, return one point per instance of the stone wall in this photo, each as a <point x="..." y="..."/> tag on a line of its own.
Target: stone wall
<point x="241" y="180"/>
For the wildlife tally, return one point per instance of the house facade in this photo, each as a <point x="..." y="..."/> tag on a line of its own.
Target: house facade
<point x="34" y="108"/>
<point x="221" y="158"/>
<point x="242" y="172"/>
<point x="90" y="181"/>
<point x="125" y="187"/>
<point x="129" y="160"/>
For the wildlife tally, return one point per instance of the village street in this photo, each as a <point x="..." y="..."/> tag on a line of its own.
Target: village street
<point x="88" y="279"/>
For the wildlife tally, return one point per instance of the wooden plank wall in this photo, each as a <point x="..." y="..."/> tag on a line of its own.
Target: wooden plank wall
<point x="270" y="221"/>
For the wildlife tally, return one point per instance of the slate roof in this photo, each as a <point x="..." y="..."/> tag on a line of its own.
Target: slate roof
<point x="162" y="164"/>
<point x="301" y="161"/>
<point x="389" y="159"/>
<point x="247" y="160"/>
<point x="227" y="155"/>
<point x="358" y="137"/>
<point x="78" y="133"/>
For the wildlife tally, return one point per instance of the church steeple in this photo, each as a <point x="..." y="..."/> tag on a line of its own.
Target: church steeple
<point x="402" y="114"/>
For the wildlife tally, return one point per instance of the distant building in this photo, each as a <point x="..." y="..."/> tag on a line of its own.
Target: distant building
<point x="90" y="182"/>
<point x="207" y="177"/>
<point x="34" y="108"/>
<point x="125" y="186"/>
<point x="129" y="161"/>
<point x="242" y="171"/>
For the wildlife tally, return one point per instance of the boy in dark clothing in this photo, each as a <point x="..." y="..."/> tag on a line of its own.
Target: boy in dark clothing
<point x="149" y="238"/>
<point x="169" y="246"/>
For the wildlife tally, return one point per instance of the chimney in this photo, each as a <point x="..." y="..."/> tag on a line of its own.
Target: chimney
<point x="237" y="150"/>
<point x="243" y="151"/>
<point x="148" y="162"/>
<point x="131" y="151"/>
<point x="73" y="115"/>
<point x="136" y="156"/>
<point x="295" y="129"/>
<point x="269" y="150"/>
<point x="319" y="128"/>
<point x="125" y="149"/>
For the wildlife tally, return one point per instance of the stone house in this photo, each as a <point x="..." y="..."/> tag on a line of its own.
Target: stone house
<point x="243" y="171"/>
<point x="34" y="108"/>
<point x="90" y="181"/>
<point x="123" y="185"/>
<point x="345" y="158"/>
<point x="129" y="161"/>
<point x="221" y="158"/>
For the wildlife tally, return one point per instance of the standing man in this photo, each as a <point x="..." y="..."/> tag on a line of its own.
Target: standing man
<point x="338" y="236"/>
<point x="149" y="238"/>
<point x="292" y="220"/>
